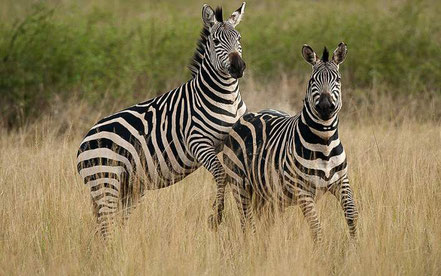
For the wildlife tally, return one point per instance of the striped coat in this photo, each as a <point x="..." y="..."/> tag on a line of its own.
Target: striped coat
<point x="272" y="158"/>
<point x="157" y="143"/>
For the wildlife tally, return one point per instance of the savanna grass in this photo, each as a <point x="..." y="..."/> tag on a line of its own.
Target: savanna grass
<point x="128" y="52"/>
<point x="47" y="226"/>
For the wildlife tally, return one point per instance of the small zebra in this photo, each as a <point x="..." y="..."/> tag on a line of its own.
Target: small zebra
<point x="156" y="143"/>
<point x="276" y="160"/>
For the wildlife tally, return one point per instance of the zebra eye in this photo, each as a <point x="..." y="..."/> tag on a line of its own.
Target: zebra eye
<point x="216" y="41"/>
<point x="338" y="79"/>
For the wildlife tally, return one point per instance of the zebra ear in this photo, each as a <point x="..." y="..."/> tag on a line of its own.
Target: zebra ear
<point x="309" y="55"/>
<point x="340" y="53"/>
<point x="208" y="16"/>
<point x="236" y="16"/>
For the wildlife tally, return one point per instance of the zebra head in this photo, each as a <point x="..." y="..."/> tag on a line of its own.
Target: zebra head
<point x="223" y="42"/>
<point x="323" y="94"/>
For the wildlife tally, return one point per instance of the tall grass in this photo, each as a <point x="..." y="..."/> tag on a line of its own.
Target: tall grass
<point x="47" y="226"/>
<point x="130" y="51"/>
<point x="68" y="63"/>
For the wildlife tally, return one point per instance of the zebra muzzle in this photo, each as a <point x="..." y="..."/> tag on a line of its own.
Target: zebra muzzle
<point x="325" y="107"/>
<point x="237" y="65"/>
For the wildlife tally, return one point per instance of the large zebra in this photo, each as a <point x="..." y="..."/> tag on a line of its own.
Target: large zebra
<point x="157" y="143"/>
<point x="271" y="157"/>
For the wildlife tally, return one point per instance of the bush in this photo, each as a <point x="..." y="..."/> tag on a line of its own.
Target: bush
<point x="102" y="53"/>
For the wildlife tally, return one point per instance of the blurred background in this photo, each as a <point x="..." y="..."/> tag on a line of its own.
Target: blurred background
<point x="110" y="54"/>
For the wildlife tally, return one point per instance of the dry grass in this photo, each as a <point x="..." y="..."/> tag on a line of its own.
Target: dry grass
<point x="46" y="223"/>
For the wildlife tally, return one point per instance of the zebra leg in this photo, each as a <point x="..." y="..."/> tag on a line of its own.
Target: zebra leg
<point x="105" y="197"/>
<point x="215" y="167"/>
<point x="243" y="195"/>
<point x="105" y="184"/>
<point x="343" y="192"/>
<point x="307" y="205"/>
<point x="131" y="193"/>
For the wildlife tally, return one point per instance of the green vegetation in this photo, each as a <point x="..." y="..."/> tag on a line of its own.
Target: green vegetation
<point x="133" y="50"/>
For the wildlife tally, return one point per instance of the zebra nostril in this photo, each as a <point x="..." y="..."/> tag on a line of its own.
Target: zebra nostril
<point x="237" y="65"/>
<point x="324" y="105"/>
<point x="325" y="102"/>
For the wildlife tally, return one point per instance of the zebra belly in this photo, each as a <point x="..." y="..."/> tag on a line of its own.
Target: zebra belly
<point x="166" y="163"/>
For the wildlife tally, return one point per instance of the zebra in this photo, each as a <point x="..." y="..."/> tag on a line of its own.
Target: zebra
<point x="158" y="142"/>
<point x="275" y="160"/>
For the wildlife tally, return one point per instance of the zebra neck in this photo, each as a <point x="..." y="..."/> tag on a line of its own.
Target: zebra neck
<point x="210" y="82"/>
<point x="325" y="130"/>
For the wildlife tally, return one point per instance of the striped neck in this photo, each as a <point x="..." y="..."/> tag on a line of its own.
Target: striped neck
<point x="209" y="81"/>
<point x="326" y="130"/>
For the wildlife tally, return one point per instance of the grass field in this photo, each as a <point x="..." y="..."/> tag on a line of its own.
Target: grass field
<point x="132" y="49"/>
<point x="64" y="64"/>
<point x="47" y="227"/>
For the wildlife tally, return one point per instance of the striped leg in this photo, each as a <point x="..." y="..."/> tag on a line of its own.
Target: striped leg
<point x="105" y="183"/>
<point x="243" y="195"/>
<point x="215" y="167"/>
<point x="343" y="192"/>
<point x="131" y="193"/>
<point x="105" y="197"/>
<point x="307" y="205"/>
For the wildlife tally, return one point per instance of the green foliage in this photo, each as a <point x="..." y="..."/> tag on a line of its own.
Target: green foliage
<point x="393" y="46"/>
<point x="57" y="51"/>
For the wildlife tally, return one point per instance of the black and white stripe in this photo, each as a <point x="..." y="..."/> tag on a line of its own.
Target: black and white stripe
<point x="157" y="143"/>
<point x="271" y="157"/>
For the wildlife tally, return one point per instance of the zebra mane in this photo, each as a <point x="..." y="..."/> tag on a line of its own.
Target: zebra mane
<point x="196" y="61"/>
<point x="199" y="53"/>
<point x="325" y="56"/>
<point x="218" y="14"/>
